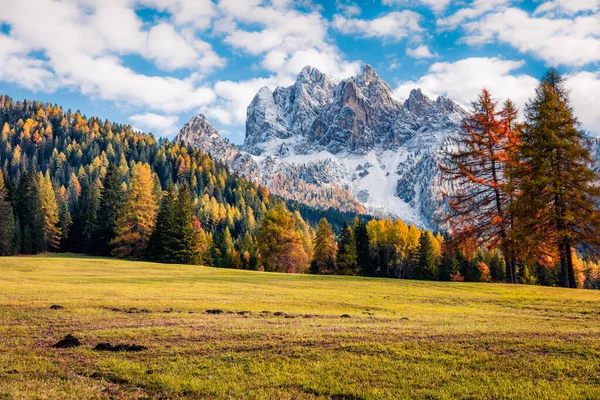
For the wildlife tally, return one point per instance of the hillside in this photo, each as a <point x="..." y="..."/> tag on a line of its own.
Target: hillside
<point x="401" y="338"/>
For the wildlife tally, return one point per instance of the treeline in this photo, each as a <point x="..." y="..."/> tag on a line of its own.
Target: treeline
<point x="527" y="190"/>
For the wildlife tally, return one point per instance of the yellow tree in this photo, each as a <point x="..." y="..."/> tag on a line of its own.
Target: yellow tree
<point x="52" y="231"/>
<point x="137" y="218"/>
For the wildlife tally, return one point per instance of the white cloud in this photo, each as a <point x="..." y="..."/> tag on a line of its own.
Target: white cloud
<point x="560" y="41"/>
<point x="584" y="87"/>
<point x="347" y="8"/>
<point x="463" y="80"/>
<point x="420" y="52"/>
<point x="476" y="9"/>
<point x="164" y="125"/>
<point x="196" y="13"/>
<point x="83" y="49"/>
<point x="567" y="7"/>
<point x="395" y="25"/>
<point x="435" y="5"/>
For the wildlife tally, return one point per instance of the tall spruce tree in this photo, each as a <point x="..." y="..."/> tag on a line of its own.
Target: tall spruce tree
<point x="186" y="238"/>
<point x="7" y="221"/>
<point x="84" y="218"/>
<point x="110" y="203"/>
<point x="363" y="256"/>
<point x="557" y="189"/>
<point x="324" y="250"/>
<point x="426" y="267"/>
<point x="30" y="214"/>
<point x="346" y="255"/>
<point x="161" y="245"/>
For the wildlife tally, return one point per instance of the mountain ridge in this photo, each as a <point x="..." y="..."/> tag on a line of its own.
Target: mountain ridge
<point x="351" y="139"/>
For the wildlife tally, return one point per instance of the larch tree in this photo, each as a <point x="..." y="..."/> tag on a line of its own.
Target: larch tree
<point x="477" y="163"/>
<point x="52" y="231"/>
<point x="557" y="188"/>
<point x="324" y="250"/>
<point x="7" y="221"/>
<point x="137" y="217"/>
<point x="280" y="244"/>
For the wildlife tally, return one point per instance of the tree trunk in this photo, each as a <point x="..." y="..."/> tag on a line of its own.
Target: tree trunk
<point x="564" y="268"/>
<point x="572" y="282"/>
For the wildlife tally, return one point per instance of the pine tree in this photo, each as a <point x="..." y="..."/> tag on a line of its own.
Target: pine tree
<point x="52" y="231"/>
<point x="324" y="250"/>
<point x="477" y="165"/>
<point x="137" y="218"/>
<point x="187" y="237"/>
<point x="557" y="190"/>
<point x="162" y="244"/>
<point x="84" y="218"/>
<point x="280" y="243"/>
<point x="363" y="256"/>
<point x="346" y="256"/>
<point x="7" y="221"/>
<point x="426" y="267"/>
<point x="30" y="214"/>
<point x="110" y="203"/>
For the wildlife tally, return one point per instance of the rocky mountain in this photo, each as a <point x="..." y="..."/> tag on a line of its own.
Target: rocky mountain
<point x="349" y="144"/>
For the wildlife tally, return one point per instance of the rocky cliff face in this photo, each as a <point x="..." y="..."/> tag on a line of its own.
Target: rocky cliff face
<point x="352" y="137"/>
<point x="199" y="133"/>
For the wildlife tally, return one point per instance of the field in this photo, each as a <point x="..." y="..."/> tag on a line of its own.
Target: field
<point x="305" y="337"/>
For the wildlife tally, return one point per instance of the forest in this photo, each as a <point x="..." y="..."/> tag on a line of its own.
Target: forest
<point x="522" y="209"/>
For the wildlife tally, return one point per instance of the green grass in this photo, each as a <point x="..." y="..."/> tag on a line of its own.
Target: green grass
<point x="404" y="339"/>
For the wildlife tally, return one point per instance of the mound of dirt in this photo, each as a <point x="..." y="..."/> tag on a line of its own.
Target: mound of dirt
<point x="67" y="342"/>
<point x="119" y="347"/>
<point x="215" y="311"/>
<point x="56" y="307"/>
<point x="345" y="316"/>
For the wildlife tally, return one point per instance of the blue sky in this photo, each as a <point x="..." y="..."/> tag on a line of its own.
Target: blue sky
<point x="156" y="63"/>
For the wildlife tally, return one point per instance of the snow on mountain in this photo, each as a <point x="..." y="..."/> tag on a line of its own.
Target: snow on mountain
<point x="348" y="140"/>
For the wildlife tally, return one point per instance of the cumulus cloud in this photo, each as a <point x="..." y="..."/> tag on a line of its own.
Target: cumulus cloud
<point x="164" y="125"/>
<point x="567" y="7"/>
<point x="420" y="52"/>
<point x="476" y="9"/>
<point x="394" y="25"/>
<point x="558" y="41"/>
<point x="463" y="80"/>
<point x="584" y="87"/>
<point x="84" y="47"/>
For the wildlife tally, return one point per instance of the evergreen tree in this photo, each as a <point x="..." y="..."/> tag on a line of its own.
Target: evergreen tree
<point x="363" y="256"/>
<point x="280" y="243"/>
<point x="7" y="221"/>
<point x="30" y="214"/>
<point x="557" y="190"/>
<point x="84" y="219"/>
<point x="346" y="256"/>
<point x="162" y="244"/>
<point x="52" y="231"/>
<point x="110" y="203"/>
<point x="426" y="267"/>
<point x="324" y="250"/>
<point x="138" y="216"/>
<point x="186" y="238"/>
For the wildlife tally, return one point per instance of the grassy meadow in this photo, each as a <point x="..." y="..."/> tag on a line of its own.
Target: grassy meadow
<point x="286" y="336"/>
